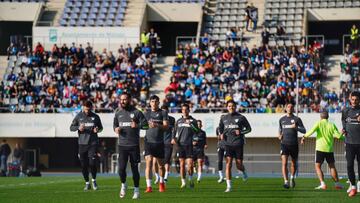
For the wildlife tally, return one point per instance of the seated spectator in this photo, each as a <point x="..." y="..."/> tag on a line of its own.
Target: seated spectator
<point x="60" y="79"/>
<point x="258" y="79"/>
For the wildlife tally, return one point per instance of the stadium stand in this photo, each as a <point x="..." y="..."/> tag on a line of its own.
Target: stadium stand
<point x="266" y="75"/>
<point x="24" y="1"/>
<point x="349" y="77"/>
<point x="290" y="16"/>
<point x="260" y="79"/>
<point x="61" y="78"/>
<point x="176" y="1"/>
<point x="93" y="13"/>
<point x="229" y="14"/>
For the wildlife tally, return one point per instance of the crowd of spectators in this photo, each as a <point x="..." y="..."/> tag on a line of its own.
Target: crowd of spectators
<point x="260" y="79"/>
<point x="349" y="76"/>
<point x="60" y="79"/>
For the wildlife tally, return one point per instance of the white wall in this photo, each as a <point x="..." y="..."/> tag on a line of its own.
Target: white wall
<point x="17" y="11"/>
<point x="99" y="37"/>
<point x="174" y="12"/>
<point x="57" y="125"/>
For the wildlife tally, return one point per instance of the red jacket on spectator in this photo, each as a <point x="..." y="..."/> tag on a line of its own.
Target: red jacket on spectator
<point x="172" y="87"/>
<point x="39" y="48"/>
<point x="227" y="56"/>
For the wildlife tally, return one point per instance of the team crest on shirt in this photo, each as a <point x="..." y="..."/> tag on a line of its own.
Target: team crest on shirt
<point x="236" y="120"/>
<point x="92" y="118"/>
<point x="292" y="121"/>
<point x="132" y="115"/>
<point x="157" y="115"/>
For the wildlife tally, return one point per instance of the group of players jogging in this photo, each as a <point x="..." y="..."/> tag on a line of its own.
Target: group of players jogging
<point x="163" y="132"/>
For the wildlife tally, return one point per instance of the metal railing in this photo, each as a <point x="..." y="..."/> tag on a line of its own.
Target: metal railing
<point x="183" y="40"/>
<point x="108" y="43"/>
<point x="45" y="23"/>
<point x="11" y="109"/>
<point x="312" y="38"/>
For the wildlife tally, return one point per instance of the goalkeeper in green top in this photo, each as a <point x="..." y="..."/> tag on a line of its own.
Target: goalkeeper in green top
<point x="325" y="134"/>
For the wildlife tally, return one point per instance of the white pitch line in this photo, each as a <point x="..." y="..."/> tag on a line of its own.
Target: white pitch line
<point x="39" y="183"/>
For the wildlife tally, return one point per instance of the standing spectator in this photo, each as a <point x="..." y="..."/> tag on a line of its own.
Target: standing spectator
<point x="204" y="41"/>
<point x="158" y="46"/>
<point x="254" y="17"/>
<point x="104" y="157"/>
<point x="5" y="151"/>
<point x="231" y="34"/>
<point x="19" y="155"/>
<point x="144" y="39"/>
<point x="354" y="37"/>
<point x="89" y="48"/>
<point x="280" y="30"/>
<point x="11" y="50"/>
<point x="247" y="15"/>
<point x="265" y="36"/>
<point x="152" y="35"/>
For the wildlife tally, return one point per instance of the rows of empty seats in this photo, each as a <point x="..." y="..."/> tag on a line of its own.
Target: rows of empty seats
<point x="93" y="13"/>
<point x="313" y="3"/>
<point x="30" y="1"/>
<point x="228" y="14"/>
<point x="176" y="1"/>
<point x="290" y="14"/>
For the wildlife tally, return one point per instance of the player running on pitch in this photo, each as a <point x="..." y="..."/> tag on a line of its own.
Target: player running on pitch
<point x="233" y="127"/>
<point x="199" y="146"/>
<point x="351" y="128"/>
<point x="289" y="125"/>
<point x="127" y="124"/>
<point x="183" y="134"/>
<point x="154" y="142"/>
<point x="87" y="124"/>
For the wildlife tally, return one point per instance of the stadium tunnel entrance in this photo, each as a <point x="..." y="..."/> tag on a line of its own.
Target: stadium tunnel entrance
<point x="169" y="31"/>
<point x="172" y="21"/>
<point x="333" y="24"/>
<point x="333" y="32"/>
<point x="60" y="154"/>
<point x="14" y="32"/>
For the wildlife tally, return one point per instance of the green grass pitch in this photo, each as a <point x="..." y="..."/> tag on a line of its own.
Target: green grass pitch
<point x="70" y="189"/>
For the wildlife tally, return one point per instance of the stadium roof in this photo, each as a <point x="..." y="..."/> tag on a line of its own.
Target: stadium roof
<point x="334" y="14"/>
<point x="170" y="12"/>
<point x="19" y="11"/>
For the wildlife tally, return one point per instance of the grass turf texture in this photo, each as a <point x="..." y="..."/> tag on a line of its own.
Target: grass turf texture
<point x="70" y="189"/>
